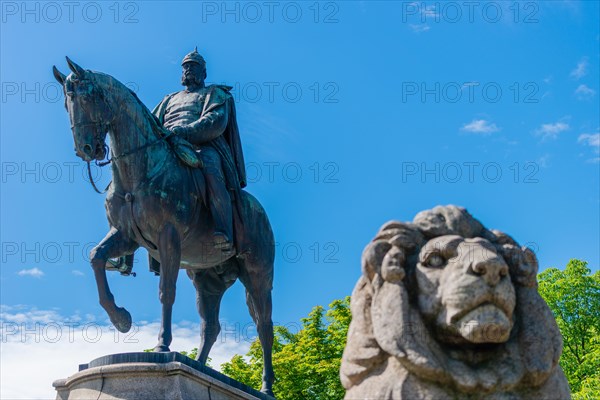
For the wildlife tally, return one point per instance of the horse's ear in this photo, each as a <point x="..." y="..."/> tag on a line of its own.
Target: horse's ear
<point x="77" y="70"/>
<point x="60" y="77"/>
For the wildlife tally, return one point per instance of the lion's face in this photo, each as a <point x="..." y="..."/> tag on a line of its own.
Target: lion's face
<point x="464" y="290"/>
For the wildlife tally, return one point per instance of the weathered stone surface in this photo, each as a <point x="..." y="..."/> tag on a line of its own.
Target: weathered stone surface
<point x="147" y="376"/>
<point x="447" y="309"/>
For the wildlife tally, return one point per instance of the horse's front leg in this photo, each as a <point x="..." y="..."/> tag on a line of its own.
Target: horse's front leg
<point x="115" y="244"/>
<point x="169" y="249"/>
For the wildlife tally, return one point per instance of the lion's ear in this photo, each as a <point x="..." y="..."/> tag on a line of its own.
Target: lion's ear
<point x="529" y="267"/>
<point x="382" y="261"/>
<point x="392" y="266"/>
<point x="522" y="263"/>
<point x="372" y="258"/>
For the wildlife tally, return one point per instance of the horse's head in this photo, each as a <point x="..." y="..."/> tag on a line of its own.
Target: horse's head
<point x="89" y="111"/>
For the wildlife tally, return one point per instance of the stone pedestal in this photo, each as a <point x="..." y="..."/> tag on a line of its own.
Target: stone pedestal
<point x="148" y="376"/>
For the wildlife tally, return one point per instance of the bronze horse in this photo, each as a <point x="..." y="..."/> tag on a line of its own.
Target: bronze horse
<point x="156" y="202"/>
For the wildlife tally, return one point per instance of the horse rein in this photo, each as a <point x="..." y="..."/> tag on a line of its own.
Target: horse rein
<point x="89" y="168"/>
<point x="111" y="159"/>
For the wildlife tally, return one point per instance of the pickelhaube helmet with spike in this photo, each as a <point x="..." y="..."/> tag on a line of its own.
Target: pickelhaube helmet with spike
<point x="194" y="57"/>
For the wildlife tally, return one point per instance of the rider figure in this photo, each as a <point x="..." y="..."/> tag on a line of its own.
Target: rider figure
<point x="205" y="117"/>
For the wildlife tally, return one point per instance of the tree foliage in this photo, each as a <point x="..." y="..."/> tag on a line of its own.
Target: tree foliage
<point x="574" y="298"/>
<point x="306" y="363"/>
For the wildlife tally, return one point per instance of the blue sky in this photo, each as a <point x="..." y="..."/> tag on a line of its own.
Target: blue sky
<point x="351" y="114"/>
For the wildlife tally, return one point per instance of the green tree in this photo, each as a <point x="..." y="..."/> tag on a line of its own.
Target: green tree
<point x="574" y="298"/>
<point x="306" y="363"/>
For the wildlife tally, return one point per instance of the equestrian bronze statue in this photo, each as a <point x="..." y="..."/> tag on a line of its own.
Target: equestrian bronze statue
<point x="177" y="191"/>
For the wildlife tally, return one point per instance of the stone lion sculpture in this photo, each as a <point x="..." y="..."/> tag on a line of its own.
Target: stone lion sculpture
<point x="447" y="309"/>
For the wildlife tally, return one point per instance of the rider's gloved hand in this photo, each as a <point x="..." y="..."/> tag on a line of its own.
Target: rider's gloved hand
<point x="183" y="148"/>
<point x="180" y="131"/>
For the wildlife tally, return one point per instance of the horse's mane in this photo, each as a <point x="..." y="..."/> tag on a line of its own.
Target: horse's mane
<point x="111" y="81"/>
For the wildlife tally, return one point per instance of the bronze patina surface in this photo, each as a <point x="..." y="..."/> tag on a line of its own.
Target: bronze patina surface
<point x="177" y="179"/>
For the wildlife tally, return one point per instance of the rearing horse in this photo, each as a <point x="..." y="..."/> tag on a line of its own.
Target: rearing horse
<point x="156" y="202"/>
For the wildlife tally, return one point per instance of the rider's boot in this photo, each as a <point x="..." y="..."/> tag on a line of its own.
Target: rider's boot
<point x="222" y="213"/>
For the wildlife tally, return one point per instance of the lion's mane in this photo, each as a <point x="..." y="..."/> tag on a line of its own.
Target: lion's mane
<point x="391" y="352"/>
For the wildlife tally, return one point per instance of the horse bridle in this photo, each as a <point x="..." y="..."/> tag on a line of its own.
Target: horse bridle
<point x="100" y="128"/>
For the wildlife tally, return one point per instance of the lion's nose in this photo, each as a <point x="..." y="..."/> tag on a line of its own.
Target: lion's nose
<point x="491" y="270"/>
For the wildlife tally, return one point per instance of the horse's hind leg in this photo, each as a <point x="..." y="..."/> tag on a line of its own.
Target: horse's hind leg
<point x="258" y="280"/>
<point x="169" y="249"/>
<point x="210" y="287"/>
<point x="113" y="245"/>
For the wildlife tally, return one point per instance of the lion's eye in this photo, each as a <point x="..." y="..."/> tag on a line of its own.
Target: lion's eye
<point x="435" y="261"/>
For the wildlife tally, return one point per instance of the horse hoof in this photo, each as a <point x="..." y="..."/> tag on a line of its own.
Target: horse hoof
<point x="121" y="320"/>
<point x="161" y="348"/>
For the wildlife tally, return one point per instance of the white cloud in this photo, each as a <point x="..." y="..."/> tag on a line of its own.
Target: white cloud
<point x="544" y="160"/>
<point x="35" y="272"/>
<point x="418" y="28"/>
<point x="592" y="140"/>
<point x="21" y="314"/>
<point x="583" y="92"/>
<point x="551" y="131"/>
<point x="77" y="272"/>
<point x="581" y="70"/>
<point x="480" y="126"/>
<point x="40" y="346"/>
